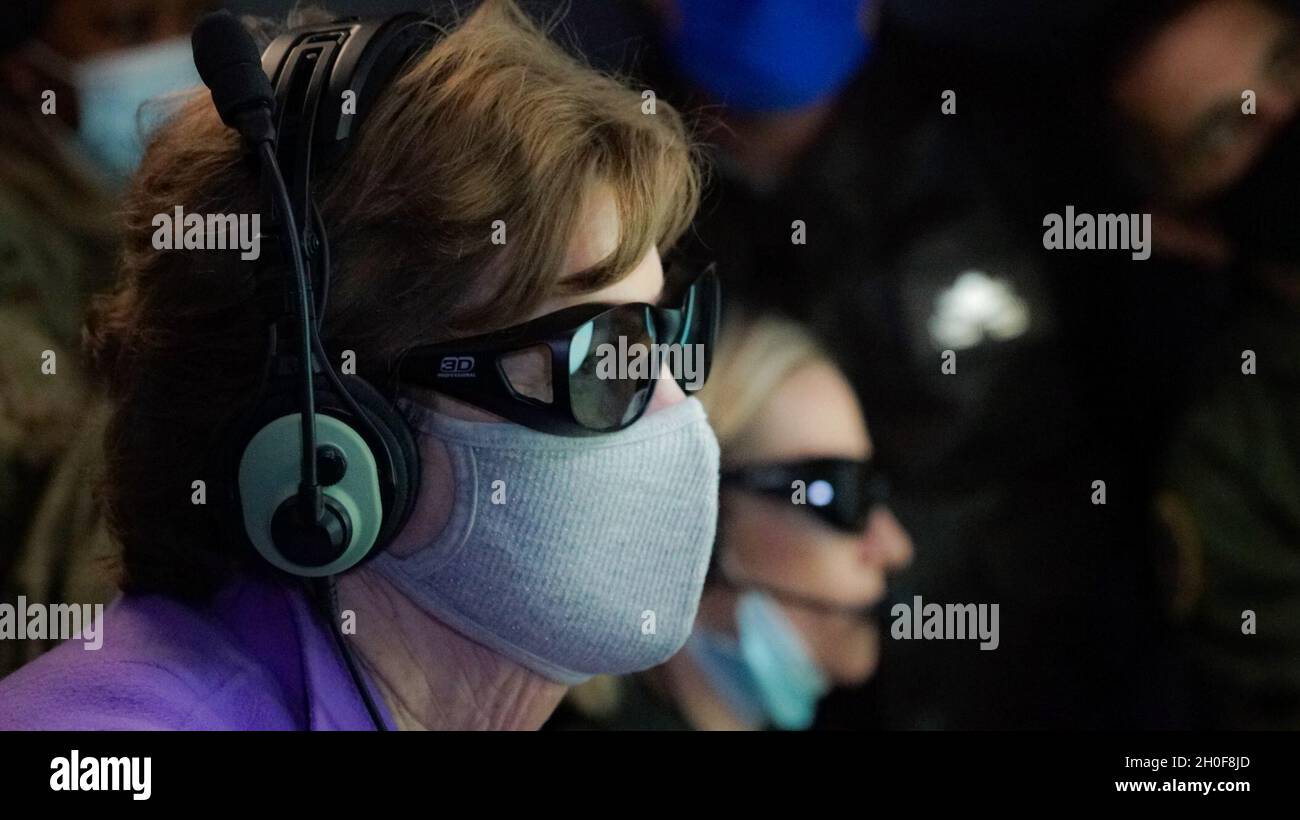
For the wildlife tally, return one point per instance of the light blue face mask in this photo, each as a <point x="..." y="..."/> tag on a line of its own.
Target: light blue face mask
<point x="112" y="94"/>
<point x="767" y="673"/>
<point x="769" y="55"/>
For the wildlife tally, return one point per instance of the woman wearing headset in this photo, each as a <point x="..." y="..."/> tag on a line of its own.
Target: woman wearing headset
<point x="805" y="543"/>
<point x="499" y="218"/>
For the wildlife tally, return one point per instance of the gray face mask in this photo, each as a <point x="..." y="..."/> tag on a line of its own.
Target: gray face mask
<point x="571" y="556"/>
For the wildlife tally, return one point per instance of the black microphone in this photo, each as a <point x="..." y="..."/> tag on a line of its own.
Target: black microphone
<point x="231" y="67"/>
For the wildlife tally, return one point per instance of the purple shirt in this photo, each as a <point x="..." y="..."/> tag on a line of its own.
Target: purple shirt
<point x="255" y="657"/>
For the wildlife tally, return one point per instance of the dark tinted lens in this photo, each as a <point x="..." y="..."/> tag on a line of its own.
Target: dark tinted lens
<point x="699" y="327"/>
<point x="841" y="492"/>
<point x="857" y="490"/>
<point x="611" y="368"/>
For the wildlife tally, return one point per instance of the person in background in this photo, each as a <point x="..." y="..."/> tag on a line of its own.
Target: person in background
<point x="104" y="60"/>
<point x="896" y="207"/>
<point x="75" y="77"/>
<point x="1231" y="503"/>
<point x="805" y="543"/>
<point x="1206" y="96"/>
<point x="778" y="90"/>
<point x="1212" y="98"/>
<point x="1072" y="367"/>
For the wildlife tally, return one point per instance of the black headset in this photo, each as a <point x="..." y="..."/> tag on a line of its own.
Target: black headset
<point x="317" y="501"/>
<point x="319" y="476"/>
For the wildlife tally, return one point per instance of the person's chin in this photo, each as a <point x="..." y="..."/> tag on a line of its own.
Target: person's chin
<point x="860" y="653"/>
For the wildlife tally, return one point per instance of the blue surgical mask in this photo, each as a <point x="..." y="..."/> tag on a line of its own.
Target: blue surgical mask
<point x="766" y="673"/>
<point x="112" y="91"/>
<point x="769" y="55"/>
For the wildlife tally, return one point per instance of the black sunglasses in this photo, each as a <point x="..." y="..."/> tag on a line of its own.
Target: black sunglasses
<point x="599" y="380"/>
<point x="841" y="492"/>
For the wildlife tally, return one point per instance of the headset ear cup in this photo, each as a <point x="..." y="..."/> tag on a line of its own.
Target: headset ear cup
<point x="262" y="456"/>
<point x="269" y="478"/>
<point x="395" y="453"/>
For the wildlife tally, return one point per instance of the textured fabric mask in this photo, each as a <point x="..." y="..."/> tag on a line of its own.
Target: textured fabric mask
<point x="571" y="556"/>
<point x="767" y="674"/>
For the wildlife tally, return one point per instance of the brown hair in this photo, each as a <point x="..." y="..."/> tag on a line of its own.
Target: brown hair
<point x="494" y="122"/>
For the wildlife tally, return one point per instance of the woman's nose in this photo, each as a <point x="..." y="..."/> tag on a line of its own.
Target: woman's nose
<point x="885" y="541"/>
<point x="667" y="392"/>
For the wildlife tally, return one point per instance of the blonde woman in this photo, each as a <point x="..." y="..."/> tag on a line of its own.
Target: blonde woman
<point x="805" y="542"/>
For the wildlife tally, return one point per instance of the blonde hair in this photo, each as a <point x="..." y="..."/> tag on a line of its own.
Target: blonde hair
<point x="755" y="354"/>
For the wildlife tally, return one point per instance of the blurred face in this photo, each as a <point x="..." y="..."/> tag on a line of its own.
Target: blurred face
<point x="1184" y="89"/>
<point x="814" y="414"/>
<point x="77" y="31"/>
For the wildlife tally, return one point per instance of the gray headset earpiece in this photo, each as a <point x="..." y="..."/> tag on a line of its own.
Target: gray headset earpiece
<point x="268" y="477"/>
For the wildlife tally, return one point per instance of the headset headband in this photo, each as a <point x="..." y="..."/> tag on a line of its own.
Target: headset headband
<point x="313" y="68"/>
